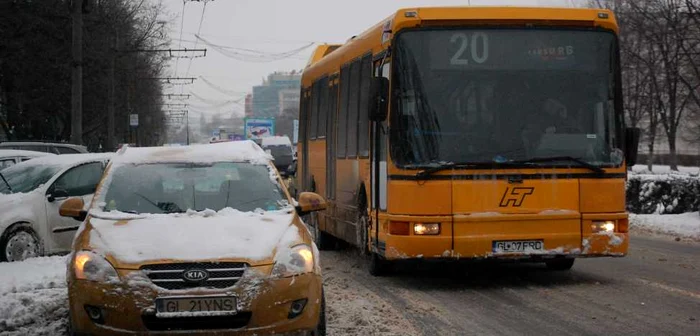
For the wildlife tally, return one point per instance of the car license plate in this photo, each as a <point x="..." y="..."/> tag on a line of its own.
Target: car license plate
<point x="518" y="246"/>
<point x="196" y="305"/>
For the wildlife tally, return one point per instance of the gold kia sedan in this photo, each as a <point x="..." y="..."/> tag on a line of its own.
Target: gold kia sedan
<point x="200" y="239"/>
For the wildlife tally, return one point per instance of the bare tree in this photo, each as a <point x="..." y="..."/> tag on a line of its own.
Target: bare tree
<point x="663" y="26"/>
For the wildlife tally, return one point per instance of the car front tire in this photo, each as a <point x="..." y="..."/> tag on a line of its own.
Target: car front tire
<point x="18" y="243"/>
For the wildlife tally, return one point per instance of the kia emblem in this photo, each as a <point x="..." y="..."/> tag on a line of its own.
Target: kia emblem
<point x="195" y="275"/>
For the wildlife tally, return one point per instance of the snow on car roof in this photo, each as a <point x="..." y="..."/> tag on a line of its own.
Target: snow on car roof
<point x="234" y="151"/>
<point x="276" y="140"/>
<point x="64" y="160"/>
<point x="17" y="152"/>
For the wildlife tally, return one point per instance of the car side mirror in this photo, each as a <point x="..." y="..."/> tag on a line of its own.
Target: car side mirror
<point x="310" y="202"/>
<point x="57" y="195"/>
<point x="379" y="99"/>
<point x="632" y="135"/>
<point x="73" y="207"/>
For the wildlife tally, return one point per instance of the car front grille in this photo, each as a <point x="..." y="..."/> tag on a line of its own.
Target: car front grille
<point x="169" y="276"/>
<point x="237" y="321"/>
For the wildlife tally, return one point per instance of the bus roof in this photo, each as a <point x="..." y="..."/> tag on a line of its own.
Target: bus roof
<point x="325" y="61"/>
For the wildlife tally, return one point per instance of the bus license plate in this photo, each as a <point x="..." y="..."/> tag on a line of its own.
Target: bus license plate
<point x="219" y="305"/>
<point x="518" y="246"/>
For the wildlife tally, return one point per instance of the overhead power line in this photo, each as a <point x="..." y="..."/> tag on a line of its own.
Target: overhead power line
<point x="250" y="55"/>
<point x="182" y="25"/>
<point x="220" y="89"/>
<point x="176" y="96"/>
<point x="201" y="21"/>
<point x="174" y="80"/>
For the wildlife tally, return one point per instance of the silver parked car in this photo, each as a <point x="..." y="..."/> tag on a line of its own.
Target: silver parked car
<point x="11" y="157"/>
<point x="46" y="147"/>
<point x="31" y="193"/>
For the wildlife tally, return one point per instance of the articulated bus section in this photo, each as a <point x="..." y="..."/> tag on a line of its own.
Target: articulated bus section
<point x="470" y="133"/>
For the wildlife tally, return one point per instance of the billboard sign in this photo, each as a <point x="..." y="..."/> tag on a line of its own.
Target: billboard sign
<point x="258" y="128"/>
<point x="295" y="135"/>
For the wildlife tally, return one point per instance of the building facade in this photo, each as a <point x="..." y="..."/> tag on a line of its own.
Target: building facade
<point x="278" y="92"/>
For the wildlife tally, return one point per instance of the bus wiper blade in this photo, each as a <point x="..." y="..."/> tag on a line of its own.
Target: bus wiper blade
<point x="7" y="183"/>
<point x="579" y="162"/>
<point x="429" y="171"/>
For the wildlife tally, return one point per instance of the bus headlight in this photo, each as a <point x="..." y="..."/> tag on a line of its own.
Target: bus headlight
<point x="603" y="226"/>
<point x="426" y="229"/>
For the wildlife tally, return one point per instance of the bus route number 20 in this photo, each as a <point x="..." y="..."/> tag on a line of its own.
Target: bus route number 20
<point x="474" y="48"/>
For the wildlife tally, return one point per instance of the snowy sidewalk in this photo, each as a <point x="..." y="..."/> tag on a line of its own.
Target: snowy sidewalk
<point x="685" y="225"/>
<point x="33" y="297"/>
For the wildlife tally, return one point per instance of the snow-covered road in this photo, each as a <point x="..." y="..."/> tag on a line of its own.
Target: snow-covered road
<point x="655" y="290"/>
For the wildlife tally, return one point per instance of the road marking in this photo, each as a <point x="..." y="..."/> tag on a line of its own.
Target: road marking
<point x="667" y="288"/>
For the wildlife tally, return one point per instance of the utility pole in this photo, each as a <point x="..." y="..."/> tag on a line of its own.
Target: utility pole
<point x="187" y="126"/>
<point x="77" y="75"/>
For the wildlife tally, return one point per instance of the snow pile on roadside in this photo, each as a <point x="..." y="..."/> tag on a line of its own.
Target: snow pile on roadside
<point x="684" y="225"/>
<point x="662" y="169"/>
<point x="33" y="297"/>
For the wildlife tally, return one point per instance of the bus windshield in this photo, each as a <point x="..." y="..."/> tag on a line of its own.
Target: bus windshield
<point x="497" y="95"/>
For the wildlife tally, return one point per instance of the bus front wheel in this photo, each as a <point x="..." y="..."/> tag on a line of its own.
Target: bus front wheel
<point x="379" y="266"/>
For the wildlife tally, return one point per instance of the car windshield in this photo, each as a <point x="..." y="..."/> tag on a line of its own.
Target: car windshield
<point x="178" y="187"/>
<point x="25" y="178"/>
<point x="468" y="95"/>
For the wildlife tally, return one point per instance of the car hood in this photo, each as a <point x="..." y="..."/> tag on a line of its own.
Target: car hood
<point x="130" y="241"/>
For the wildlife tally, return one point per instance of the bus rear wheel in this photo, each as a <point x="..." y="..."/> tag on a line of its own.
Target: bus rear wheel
<point x="362" y="223"/>
<point x="560" y="264"/>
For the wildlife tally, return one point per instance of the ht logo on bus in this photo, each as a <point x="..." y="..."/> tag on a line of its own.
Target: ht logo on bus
<point x="515" y="196"/>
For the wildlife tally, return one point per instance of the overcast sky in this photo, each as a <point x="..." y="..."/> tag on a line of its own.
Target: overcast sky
<point x="274" y="26"/>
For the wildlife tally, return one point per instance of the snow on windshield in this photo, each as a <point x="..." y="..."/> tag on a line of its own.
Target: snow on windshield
<point x="29" y="175"/>
<point x="190" y="236"/>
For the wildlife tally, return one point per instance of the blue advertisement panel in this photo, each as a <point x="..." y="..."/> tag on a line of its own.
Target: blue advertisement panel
<point x="258" y="128"/>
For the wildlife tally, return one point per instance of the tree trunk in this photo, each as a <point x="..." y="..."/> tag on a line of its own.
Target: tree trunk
<point x="77" y="75"/>
<point x="650" y="157"/>
<point x="673" y="158"/>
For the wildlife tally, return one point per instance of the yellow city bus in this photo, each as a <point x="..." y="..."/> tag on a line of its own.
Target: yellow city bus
<point x="470" y="133"/>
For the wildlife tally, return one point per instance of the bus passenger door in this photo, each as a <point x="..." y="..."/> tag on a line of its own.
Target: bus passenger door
<point x="304" y="139"/>
<point x="330" y="138"/>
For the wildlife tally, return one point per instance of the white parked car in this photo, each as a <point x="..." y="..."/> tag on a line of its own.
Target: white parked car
<point x="11" y="157"/>
<point x="31" y="193"/>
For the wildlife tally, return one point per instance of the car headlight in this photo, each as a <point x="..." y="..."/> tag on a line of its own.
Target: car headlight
<point x="297" y="260"/>
<point x="90" y="266"/>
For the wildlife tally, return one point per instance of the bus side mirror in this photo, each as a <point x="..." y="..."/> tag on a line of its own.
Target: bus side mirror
<point x="379" y="99"/>
<point x="631" y="145"/>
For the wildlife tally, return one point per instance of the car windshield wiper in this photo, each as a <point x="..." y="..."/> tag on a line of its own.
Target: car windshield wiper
<point x="579" y="162"/>
<point x="166" y="207"/>
<point x="7" y="183"/>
